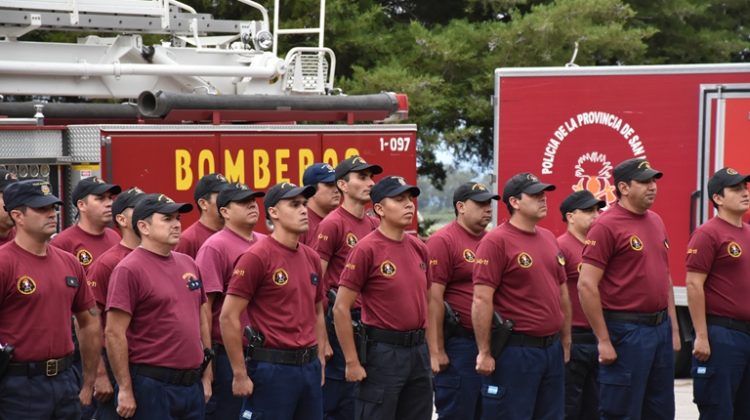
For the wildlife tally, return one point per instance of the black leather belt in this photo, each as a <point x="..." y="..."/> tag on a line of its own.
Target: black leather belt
<point x="51" y="367"/>
<point x="582" y="335"/>
<point x="463" y="332"/>
<point x="398" y="338"/>
<point x="185" y="377"/>
<point x="523" y="340"/>
<point x="652" y="318"/>
<point x="730" y="323"/>
<point x="285" y="357"/>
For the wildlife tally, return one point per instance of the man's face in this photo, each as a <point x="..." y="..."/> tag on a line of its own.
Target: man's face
<point x="476" y="215"/>
<point x="125" y="219"/>
<point x="5" y="221"/>
<point x="358" y="186"/>
<point x="736" y="199"/>
<point x="582" y="219"/>
<point x="398" y="211"/>
<point x="327" y="196"/>
<point x="640" y="194"/>
<point x="40" y="223"/>
<point x="291" y="214"/>
<point x="242" y="212"/>
<point x="162" y="228"/>
<point x="97" y="209"/>
<point x="531" y="206"/>
<point x="209" y="209"/>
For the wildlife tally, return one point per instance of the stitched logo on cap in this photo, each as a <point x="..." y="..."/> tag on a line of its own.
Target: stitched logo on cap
<point x="731" y="171"/>
<point x="356" y="160"/>
<point x="478" y="187"/>
<point x="644" y="165"/>
<point x="400" y="180"/>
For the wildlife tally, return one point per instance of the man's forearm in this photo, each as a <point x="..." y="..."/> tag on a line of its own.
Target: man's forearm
<point x="697" y="306"/>
<point x="481" y="318"/>
<point x="320" y="331"/>
<point x="592" y="308"/>
<point x="90" y="340"/>
<point x="117" y="353"/>
<point x="343" y="324"/>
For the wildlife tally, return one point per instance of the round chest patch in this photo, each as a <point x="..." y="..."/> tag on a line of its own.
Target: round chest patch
<point x="635" y="243"/>
<point x="388" y="268"/>
<point x="84" y="257"/>
<point x="734" y="249"/>
<point x="351" y="239"/>
<point x="525" y="260"/>
<point x="469" y="255"/>
<point x="26" y="285"/>
<point x="280" y="277"/>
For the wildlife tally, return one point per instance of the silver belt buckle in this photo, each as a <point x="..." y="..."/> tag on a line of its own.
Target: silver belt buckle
<point x="52" y="367"/>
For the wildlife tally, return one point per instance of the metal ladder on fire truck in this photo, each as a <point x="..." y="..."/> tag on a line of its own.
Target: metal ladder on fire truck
<point x="203" y="55"/>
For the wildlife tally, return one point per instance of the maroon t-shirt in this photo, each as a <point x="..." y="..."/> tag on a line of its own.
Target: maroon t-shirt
<point x="313" y="221"/>
<point x="216" y="260"/>
<point x="193" y="238"/>
<point x="717" y="248"/>
<point x="452" y="255"/>
<point x="164" y="296"/>
<point x="38" y="296"/>
<point x="85" y="246"/>
<point x="392" y="277"/>
<point x="338" y="233"/>
<point x="526" y="269"/>
<point x="572" y="250"/>
<point x="632" y="249"/>
<point x="101" y="270"/>
<point x="283" y="286"/>
<point x="6" y="239"/>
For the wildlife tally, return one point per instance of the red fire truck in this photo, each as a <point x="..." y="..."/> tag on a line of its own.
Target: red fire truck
<point x="213" y="97"/>
<point x="572" y="125"/>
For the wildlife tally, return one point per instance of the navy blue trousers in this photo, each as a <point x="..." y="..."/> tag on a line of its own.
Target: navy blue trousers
<point x="528" y="383"/>
<point x="581" y="388"/>
<point x="222" y="405"/>
<point x="159" y="400"/>
<point x="338" y="395"/>
<point x="284" y="392"/>
<point x="40" y="397"/>
<point x="640" y="384"/>
<point x="457" y="394"/>
<point x="721" y="385"/>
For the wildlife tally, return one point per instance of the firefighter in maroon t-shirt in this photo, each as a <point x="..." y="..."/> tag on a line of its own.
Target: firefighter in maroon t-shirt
<point x="389" y="270"/>
<point x="520" y="273"/>
<point x="718" y="286"/>
<point x="626" y="293"/>
<point x="41" y="289"/>
<point x="579" y="210"/>
<point x="327" y="198"/>
<point x="206" y="191"/>
<point x="7" y="232"/>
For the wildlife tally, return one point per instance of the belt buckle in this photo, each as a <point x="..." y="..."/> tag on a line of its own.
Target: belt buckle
<point x="52" y="367"/>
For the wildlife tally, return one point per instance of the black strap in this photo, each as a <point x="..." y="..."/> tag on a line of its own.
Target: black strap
<point x="296" y="357"/>
<point x="652" y="318"/>
<point x="734" y="324"/>
<point x="399" y="338"/>
<point x="524" y="340"/>
<point x="581" y="335"/>
<point x="185" y="377"/>
<point x="51" y="367"/>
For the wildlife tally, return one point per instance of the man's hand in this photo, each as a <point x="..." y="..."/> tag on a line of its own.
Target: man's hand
<point x="103" y="390"/>
<point x="607" y="353"/>
<point x="702" y="349"/>
<point x="126" y="403"/>
<point x="355" y="372"/>
<point x="207" y="388"/>
<point x="242" y="386"/>
<point x="485" y="364"/>
<point x="328" y="351"/>
<point x="676" y="341"/>
<point x="85" y="395"/>
<point x="566" y="343"/>
<point x="439" y="361"/>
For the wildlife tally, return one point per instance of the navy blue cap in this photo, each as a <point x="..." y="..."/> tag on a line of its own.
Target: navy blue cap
<point x="157" y="203"/>
<point x="34" y="193"/>
<point x="236" y="192"/>
<point x="285" y="190"/>
<point x="391" y="186"/>
<point x="524" y="182"/>
<point x="6" y="178"/>
<point x="208" y="184"/>
<point x="355" y="164"/>
<point x="319" y="172"/>
<point x="127" y="199"/>
<point x="93" y="185"/>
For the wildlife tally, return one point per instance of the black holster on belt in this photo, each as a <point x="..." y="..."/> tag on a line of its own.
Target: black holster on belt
<point x="6" y="355"/>
<point x="501" y="330"/>
<point x="360" y="341"/>
<point x="208" y="355"/>
<point x="255" y="339"/>
<point x="331" y="294"/>
<point x="451" y="322"/>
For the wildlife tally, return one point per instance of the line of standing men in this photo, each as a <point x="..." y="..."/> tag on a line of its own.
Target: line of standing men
<point x="160" y="342"/>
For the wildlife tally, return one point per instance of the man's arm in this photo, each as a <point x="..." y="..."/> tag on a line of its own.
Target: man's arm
<point x="435" y="337"/>
<point x="205" y="319"/>
<point x="481" y="319"/>
<point x="322" y="337"/>
<point x="588" y="291"/>
<point x="90" y="340"/>
<point x="676" y="341"/>
<point x="565" y="334"/>
<point x="697" y="305"/>
<point x="117" y="351"/>
<point x="343" y="322"/>
<point x="231" y="334"/>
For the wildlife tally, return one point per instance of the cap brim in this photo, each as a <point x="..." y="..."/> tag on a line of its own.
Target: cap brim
<point x="483" y="197"/>
<point x="306" y="191"/>
<point x="38" y="202"/>
<point x="592" y="202"/>
<point x="538" y="187"/>
<point x="414" y="191"/>
<point x="169" y="208"/>
<point x="102" y="188"/>
<point x="648" y="174"/>
<point x="242" y="196"/>
<point x="374" y="169"/>
<point x="329" y="179"/>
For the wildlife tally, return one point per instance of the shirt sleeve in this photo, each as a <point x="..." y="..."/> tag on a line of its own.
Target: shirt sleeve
<point x="325" y="243"/>
<point x="212" y="266"/>
<point x="490" y="263"/>
<point x="440" y="259"/>
<point x="98" y="279"/>
<point x="123" y="290"/>
<point x="247" y="276"/>
<point x="701" y="252"/>
<point x="599" y="247"/>
<point x="356" y="269"/>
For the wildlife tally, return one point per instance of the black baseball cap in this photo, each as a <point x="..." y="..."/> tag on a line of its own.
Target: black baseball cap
<point x="93" y="185"/>
<point x="725" y="177"/>
<point x="524" y="182"/>
<point x="157" y="203"/>
<point x="580" y="200"/>
<point x="636" y="169"/>
<point x="285" y="190"/>
<point x="391" y="186"/>
<point x="34" y="193"/>
<point x="319" y="172"/>
<point x="125" y="200"/>
<point x="6" y="178"/>
<point x="355" y="164"/>
<point x="208" y="184"/>
<point x="236" y="192"/>
<point x="473" y="191"/>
